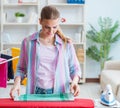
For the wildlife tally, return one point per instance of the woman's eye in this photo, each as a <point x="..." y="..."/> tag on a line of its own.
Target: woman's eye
<point x="46" y="27"/>
<point x="55" y="27"/>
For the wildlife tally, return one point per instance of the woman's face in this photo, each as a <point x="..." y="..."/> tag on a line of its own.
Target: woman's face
<point x="49" y="27"/>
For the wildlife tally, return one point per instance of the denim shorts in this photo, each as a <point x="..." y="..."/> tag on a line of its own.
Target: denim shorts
<point x="39" y="90"/>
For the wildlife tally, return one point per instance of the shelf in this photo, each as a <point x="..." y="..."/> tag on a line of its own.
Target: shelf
<point x="82" y="63"/>
<point x="13" y="43"/>
<point x="20" y="4"/>
<point x="66" y="4"/>
<point x="81" y="43"/>
<point x="82" y="80"/>
<point x="71" y="24"/>
<point x="9" y="45"/>
<point x="19" y="24"/>
<point x="9" y="25"/>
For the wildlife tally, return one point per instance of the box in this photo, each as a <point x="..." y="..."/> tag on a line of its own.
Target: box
<point x="76" y="1"/>
<point x="80" y="54"/>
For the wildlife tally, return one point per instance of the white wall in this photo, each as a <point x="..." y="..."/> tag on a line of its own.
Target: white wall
<point x="95" y="9"/>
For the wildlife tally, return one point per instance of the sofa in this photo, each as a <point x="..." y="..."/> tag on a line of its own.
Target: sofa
<point x="111" y="75"/>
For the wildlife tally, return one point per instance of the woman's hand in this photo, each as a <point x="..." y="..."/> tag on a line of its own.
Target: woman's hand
<point x="74" y="87"/>
<point x="16" y="88"/>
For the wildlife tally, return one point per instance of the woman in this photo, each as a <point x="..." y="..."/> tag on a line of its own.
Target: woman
<point x="48" y="59"/>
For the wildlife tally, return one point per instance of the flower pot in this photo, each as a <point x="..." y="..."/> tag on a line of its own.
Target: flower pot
<point x="19" y="19"/>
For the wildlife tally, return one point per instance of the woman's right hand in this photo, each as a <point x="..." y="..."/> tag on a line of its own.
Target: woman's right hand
<point x="16" y="88"/>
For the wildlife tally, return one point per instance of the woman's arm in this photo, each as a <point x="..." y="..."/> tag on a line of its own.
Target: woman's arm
<point x="20" y="72"/>
<point x="75" y="70"/>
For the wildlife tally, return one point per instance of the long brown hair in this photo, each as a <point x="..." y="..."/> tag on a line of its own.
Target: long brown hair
<point x="50" y="12"/>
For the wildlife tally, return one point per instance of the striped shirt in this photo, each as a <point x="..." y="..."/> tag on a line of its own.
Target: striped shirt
<point x="67" y="65"/>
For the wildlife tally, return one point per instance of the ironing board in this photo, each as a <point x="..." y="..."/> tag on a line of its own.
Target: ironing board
<point x="77" y="103"/>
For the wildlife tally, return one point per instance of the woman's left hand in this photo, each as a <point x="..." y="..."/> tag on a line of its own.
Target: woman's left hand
<point x="75" y="89"/>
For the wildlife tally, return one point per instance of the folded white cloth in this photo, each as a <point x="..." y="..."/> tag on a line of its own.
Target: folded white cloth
<point x="45" y="97"/>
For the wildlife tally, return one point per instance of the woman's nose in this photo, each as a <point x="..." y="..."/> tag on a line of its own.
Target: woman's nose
<point x="51" y="30"/>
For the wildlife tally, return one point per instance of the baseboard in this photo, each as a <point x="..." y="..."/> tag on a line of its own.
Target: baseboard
<point x="92" y="80"/>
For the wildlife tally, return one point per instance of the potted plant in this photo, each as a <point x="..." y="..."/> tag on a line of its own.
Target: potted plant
<point x="102" y="40"/>
<point x="19" y="17"/>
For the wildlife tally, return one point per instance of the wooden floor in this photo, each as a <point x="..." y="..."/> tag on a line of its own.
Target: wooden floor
<point x="90" y="90"/>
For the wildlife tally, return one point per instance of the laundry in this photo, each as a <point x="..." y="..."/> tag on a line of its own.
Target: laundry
<point x="15" y="53"/>
<point x="3" y="73"/>
<point x="10" y="74"/>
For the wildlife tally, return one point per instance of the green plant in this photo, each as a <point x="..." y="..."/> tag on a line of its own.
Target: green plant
<point x="19" y="14"/>
<point x="102" y="40"/>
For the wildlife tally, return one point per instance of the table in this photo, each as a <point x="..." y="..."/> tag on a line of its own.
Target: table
<point x="77" y="103"/>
